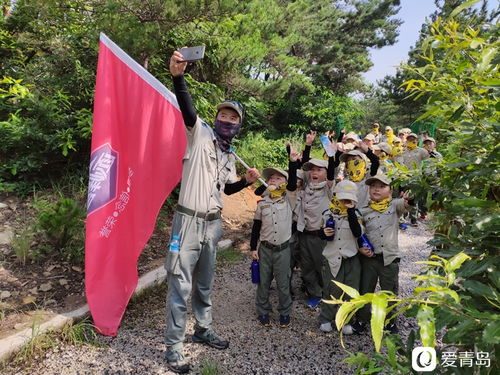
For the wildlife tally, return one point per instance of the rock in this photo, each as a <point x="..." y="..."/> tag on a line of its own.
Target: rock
<point x="63" y="281"/>
<point x="77" y="269"/>
<point x="33" y="290"/>
<point x="46" y="287"/>
<point x="3" y="205"/>
<point x="225" y="244"/>
<point x="46" y="273"/>
<point x="6" y="236"/>
<point x="5" y="294"/>
<point x="19" y="326"/>
<point x="28" y="299"/>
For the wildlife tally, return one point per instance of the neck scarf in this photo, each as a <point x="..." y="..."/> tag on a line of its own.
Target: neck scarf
<point x="411" y="145"/>
<point x="337" y="207"/>
<point x="390" y="136"/>
<point x="356" y="170"/>
<point x="397" y="150"/>
<point x="225" y="132"/>
<point x="277" y="191"/>
<point x="381" y="206"/>
<point x="375" y="130"/>
<point x="311" y="187"/>
<point x="383" y="156"/>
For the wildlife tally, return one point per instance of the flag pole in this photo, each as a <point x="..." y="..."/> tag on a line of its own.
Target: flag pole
<point x="247" y="166"/>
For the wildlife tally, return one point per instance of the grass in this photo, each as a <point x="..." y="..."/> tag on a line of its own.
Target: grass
<point x="22" y="245"/>
<point x="210" y="367"/>
<point x="229" y="256"/>
<point x="80" y="333"/>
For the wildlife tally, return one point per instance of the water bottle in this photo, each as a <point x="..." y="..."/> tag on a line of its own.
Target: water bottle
<point x="327" y="145"/>
<point x="330" y="223"/>
<point x="365" y="242"/>
<point x="255" y="272"/>
<point x="175" y="244"/>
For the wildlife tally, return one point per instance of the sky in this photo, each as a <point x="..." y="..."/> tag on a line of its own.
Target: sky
<point x="385" y="60"/>
<point x="413" y="14"/>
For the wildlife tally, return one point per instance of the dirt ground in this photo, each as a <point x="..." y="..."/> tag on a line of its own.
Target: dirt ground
<point x="35" y="291"/>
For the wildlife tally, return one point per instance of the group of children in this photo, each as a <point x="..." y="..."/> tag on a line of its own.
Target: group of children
<point x="318" y="215"/>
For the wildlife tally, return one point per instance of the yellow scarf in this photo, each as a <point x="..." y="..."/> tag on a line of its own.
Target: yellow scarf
<point x="337" y="207"/>
<point x="390" y="136"/>
<point x="383" y="156"/>
<point x="375" y="130"/>
<point x="381" y="206"/>
<point x="356" y="170"/>
<point x="277" y="191"/>
<point x="397" y="150"/>
<point x="411" y="145"/>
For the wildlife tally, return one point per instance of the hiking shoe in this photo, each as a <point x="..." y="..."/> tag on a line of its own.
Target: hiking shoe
<point x="403" y="226"/>
<point x="176" y="362"/>
<point x="284" y="321"/>
<point x="358" y="328"/>
<point x="326" y="327"/>
<point x="264" y="320"/>
<point x="423" y="217"/>
<point x="347" y="329"/>
<point x="392" y="328"/>
<point x="313" y="302"/>
<point x="209" y="337"/>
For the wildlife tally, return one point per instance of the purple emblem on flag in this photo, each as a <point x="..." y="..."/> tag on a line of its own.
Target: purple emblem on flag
<point x="102" y="177"/>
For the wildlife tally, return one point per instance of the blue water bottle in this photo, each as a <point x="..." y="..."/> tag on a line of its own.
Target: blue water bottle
<point x="365" y="242"/>
<point x="255" y="272"/>
<point x="327" y="145"/>
<point x="330" y="223"/>
<point x="175" y="244"/>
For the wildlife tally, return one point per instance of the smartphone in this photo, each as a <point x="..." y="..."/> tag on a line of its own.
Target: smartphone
<point x="193" y="53"/>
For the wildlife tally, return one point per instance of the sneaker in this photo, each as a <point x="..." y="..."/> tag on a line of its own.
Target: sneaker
<point x="176" y="362"/>
<point x="264" y="320"/>
<point x="313" y="302"/>
<point x="413" y="222"/>
<point x="422" y="217"/>
<point x="326" y="327"/>
<point x="403" y="226"/>
<point x="284" y="321"/>
<point x="358" y="327"/>
<point x="209" y="337"/>
<point x="347" y="330"/>
<point x="392" y="328"/>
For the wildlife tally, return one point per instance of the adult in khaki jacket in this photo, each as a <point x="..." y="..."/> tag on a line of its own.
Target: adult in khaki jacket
<point x="208" y="168"/>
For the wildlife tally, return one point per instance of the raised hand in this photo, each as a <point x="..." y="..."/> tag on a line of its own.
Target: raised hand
<point x="177" y="67"/>
<point x="362" y="146"/>
<point x="310" y="137"/>
<point x="294" y="154"/>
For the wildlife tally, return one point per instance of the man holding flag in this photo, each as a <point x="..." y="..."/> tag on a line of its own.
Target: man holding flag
<point x="208" y="167"/>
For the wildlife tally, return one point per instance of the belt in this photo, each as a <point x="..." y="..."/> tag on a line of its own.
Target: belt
<point x="312" y="232"/>
<point x="209" y="216"/>
<point x="269" y="245"/>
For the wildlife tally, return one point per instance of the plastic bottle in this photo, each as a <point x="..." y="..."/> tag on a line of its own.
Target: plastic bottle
<point x="330" y="223"/>
<point x="255" y="272"/>
<point x="365" y="242"/>
<point x="175" y="244"/>
<point x="327" y="145"/>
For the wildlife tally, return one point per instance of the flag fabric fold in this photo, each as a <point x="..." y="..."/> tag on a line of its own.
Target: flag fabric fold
<point x="138" y="142"/>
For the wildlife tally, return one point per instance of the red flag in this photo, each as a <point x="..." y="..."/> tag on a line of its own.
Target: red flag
<point x="138" y="141"/>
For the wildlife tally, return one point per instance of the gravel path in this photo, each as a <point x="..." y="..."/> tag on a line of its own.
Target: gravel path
<point x="300" y="349"/>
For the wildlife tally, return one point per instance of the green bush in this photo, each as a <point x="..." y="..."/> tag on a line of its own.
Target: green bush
<point x="63" y="226"/>
<point x="259" y="152"/>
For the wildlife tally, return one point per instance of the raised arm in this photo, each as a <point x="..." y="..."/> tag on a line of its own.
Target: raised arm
<point x="177" y="68"/>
